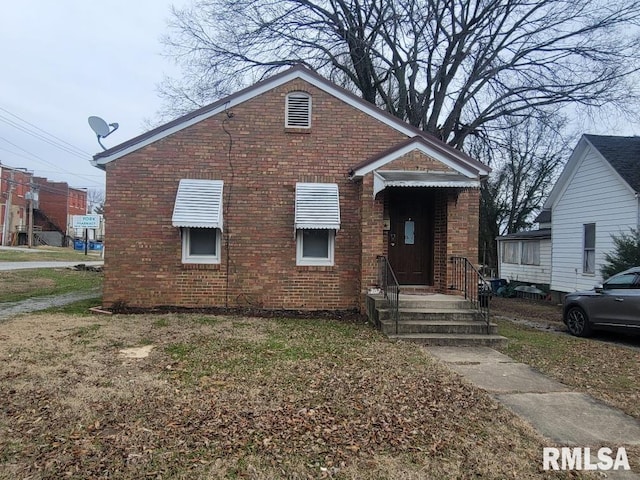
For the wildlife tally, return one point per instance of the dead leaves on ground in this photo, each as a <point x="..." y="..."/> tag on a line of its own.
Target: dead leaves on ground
<point x="290" y="400"/>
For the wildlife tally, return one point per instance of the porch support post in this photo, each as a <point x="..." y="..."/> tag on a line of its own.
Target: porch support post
<point x="463" y="221"/>
<point x="372" y="235"/>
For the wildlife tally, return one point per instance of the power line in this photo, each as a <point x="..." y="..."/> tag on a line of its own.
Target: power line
<point x="39" y="158"/>
<point x="79" y="150"/>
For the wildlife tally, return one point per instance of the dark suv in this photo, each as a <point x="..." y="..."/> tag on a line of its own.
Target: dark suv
<point x="612" y="305"/>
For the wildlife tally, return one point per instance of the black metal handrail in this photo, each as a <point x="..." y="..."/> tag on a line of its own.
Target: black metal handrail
<point x="388" y="282"/>
<point x="466" y="279"/>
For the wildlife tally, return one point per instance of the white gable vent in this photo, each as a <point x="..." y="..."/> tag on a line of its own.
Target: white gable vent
<point x="298" y="110"/>
<point x="198" y="204"/>
<point x="317" y="206"/>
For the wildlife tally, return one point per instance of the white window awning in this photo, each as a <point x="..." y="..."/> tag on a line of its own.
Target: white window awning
<point x="198" y="204"/>
<point x="415" y="178"/>
<point x="317" y="206"/>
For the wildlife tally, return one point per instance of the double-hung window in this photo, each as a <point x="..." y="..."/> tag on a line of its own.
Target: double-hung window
<point x="317" y="217"/>
<point x="589" y="249"/>
<point x="198" y="212"/>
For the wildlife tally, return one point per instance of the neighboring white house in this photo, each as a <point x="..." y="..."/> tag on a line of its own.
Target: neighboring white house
<point x="526" y="256"/>
<point x="595" y="197"/>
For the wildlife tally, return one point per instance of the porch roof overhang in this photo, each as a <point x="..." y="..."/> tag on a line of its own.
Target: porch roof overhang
<point x="401" y="178"/>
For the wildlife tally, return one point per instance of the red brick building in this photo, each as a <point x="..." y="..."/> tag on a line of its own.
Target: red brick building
<point x="282" y="196"/>
<point x="58" y="202"/>
<point x="15" y="183"/>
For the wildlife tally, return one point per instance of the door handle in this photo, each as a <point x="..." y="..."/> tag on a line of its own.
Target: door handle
<point x="619" y="299"/>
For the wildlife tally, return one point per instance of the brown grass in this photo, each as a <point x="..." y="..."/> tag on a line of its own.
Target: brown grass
<point x="229" y="397"/>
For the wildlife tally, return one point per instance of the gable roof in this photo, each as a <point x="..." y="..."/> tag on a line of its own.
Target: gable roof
<point x="296" y="72"/>
<point x="460" y="163"/>
<point x="623" y="153"/>
<point x="620" y="154"/>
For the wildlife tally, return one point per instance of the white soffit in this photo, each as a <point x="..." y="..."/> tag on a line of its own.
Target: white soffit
<point x="414" y="178"/>
<point x="317" y="206"/>
<point x="198" y="204"/>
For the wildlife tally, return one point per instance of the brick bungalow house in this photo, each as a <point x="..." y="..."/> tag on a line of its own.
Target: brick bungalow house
<point x="282" y="196"/>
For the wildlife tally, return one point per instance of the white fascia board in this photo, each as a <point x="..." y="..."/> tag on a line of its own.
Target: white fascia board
<point x="381" y="162"/>
<point x="372" y="110"/>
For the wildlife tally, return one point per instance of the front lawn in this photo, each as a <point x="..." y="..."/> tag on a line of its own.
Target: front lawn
<point x="606" y="371"/>
<point x="236" y="397"/>
<point x="16" y="285"/>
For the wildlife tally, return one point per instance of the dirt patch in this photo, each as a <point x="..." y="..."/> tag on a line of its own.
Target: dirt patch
<point x="222" y="397"/>
<point x="539" y="314"/>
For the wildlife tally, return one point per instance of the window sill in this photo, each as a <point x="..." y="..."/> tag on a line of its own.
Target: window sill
<point x="315" y="268"/>
<point x="297" y="130"/>
<point x="201" y="266"/>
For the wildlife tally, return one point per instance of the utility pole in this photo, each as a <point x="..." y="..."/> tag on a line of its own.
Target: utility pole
<point x="30" y="229"/>
<point x="6" y="229"/>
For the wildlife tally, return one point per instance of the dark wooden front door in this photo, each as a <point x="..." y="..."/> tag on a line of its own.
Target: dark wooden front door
<point x="411" y="235"/>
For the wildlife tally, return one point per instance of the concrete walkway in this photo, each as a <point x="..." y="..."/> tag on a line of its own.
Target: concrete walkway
<point x="10" y="309"/>
<point x="565" y="417"/>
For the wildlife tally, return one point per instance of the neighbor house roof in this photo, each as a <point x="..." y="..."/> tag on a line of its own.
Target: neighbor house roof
<point x="623" y="153"/>
<point x="528" y="235"/>
<point x="544" y="216"/>
<point x="297" y="72"/>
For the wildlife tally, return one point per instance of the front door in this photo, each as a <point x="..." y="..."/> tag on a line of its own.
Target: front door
<point x="411" y="235"/>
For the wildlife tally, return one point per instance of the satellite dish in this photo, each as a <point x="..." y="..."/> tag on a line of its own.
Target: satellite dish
<point x="101" y="128"/>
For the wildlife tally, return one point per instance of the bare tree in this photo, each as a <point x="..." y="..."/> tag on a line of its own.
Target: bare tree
<point x="95" y="201"/>
<point x="526" y="159"/>
<point x="450" y="67"/>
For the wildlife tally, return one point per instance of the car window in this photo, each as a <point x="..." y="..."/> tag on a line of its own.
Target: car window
<point x="627" y="280"/>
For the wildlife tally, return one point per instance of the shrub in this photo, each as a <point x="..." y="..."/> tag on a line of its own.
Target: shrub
<point x="625" y="254"/>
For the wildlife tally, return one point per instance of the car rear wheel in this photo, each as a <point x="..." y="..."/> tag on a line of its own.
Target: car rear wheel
<point x="578" y="322"/>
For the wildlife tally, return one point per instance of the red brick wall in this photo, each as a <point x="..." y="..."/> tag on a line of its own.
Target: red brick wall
<point x="259" y="169"/>
<point x="143" y="252"/>
<point x="53" y="201"/>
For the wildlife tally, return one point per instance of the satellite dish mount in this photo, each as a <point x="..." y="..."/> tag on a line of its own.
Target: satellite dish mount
<point x="101" y="128"/>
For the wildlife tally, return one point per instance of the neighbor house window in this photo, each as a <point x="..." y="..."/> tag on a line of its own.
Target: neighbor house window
<point x="200" y="245"/>
<point x="589" y="251"/>
<point x="198" y="212"/>
<point x="317" y="217"/>
<point x="530" y="252"/>
<point x="510" y="252"/>
<point x="298" y="110"/>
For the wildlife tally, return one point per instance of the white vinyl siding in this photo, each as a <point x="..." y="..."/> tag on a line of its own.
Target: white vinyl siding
<point x="298" y="110"/>
<point x="594" y="194"/>
<point x="531" y="274"/>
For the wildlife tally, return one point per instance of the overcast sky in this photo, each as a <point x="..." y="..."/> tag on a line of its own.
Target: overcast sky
<point x="63" y="61"/>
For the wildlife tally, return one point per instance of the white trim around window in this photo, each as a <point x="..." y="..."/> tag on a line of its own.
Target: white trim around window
<point x="315" y="247"/>
<point x="201" y="245"/>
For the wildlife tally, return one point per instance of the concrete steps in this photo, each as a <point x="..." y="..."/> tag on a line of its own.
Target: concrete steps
<point x="433" y="319"/>
<point x="452" y="340"/>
